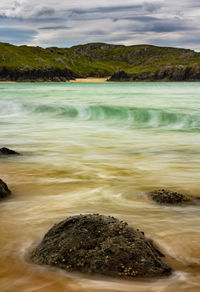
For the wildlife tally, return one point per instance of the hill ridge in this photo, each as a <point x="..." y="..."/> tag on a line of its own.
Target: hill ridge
<point x="92" y="60"/>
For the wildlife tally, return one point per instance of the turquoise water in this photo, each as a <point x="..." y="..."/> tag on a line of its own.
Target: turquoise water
<point x="98" y="147"/>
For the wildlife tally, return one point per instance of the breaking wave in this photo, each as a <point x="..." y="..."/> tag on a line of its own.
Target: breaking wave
<point x="133" y="116"/>
<point x="136" y="117"/>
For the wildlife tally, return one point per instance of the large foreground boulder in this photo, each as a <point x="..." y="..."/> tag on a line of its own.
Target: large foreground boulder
<point x="4" y="190"/>
<point x="6" y="151"/>
<point x="97" y="244"/>
<point x="170" y="197"/>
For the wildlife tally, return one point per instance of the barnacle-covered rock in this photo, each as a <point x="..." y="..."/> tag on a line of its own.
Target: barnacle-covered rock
<point x="169" y="197"/>
<point x="98" y="244"/>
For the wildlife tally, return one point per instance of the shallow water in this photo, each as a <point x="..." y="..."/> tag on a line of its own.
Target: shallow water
<point x="97" y="148"/>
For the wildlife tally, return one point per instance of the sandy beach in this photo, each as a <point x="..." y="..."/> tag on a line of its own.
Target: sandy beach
<point x="90" y="79"/>
<point x="7" y="81"/>
<point x="82" y="80"/>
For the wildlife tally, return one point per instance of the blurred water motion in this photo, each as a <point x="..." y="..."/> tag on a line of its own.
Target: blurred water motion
<point x="97" y="148"/>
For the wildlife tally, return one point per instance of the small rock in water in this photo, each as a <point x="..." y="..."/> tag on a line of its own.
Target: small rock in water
<point x="97" y="244"/>
<point x="6" y="151"/>
<point x="169" y="197"/>
<point x="4" y="190"/>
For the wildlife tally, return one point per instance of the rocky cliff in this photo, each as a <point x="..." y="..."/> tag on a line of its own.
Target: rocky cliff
<point x="36" y="74"/>
<point x="168" y="73"/>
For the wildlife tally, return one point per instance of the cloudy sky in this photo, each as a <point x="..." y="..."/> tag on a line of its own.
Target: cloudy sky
<point x="66" y="23"/>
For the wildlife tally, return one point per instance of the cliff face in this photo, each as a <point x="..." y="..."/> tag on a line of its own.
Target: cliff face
<point x="168" y="73"/>
<point x="36" y="74"/>
<point x="178" y="73"/>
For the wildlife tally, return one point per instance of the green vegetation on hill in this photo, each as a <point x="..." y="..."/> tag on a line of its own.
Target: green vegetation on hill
<point x="96" y="59"/>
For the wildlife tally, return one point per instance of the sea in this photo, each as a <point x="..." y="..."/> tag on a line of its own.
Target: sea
<point x="99" y="148"/>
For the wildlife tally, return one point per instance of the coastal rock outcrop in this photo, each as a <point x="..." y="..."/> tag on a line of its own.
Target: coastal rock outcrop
<point x="169" y="197"/>
<point x="97" y="244"/>
<point x="28" y="73"/>
<point x="6" y="151"/>
<point x="4" y="190"/>
<point x="167" y="73"/>
<point x="178" y="73"/>
<point x="120" y="76"/>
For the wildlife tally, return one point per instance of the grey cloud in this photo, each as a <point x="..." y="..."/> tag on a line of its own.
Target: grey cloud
<point x="96" y="32"/>
<point x="16" y="4"/>
<point x="45" y="20"/>
<point x="193" y="3"/>
<point x="111" y="11"/>
<point x="107" y="9"/>
<point x="55" y="27"/>
<point x="115" y="12"/>
<point x="167" y="27"/>
<point x="128" y="22"/>
<point x="31" y="20"/>
<point x="151" y="7"/>
<point x="139" y="18"/>
<point x="153" y="24"/>
<point x="45" y="11"/>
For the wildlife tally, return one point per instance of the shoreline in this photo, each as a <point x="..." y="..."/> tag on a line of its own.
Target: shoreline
<point x="97" y="80"/>
<point x="89" y="80"/>
<point x="77" y="80"/>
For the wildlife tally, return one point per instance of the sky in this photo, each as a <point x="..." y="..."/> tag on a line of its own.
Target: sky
<point x="65" y="23"/>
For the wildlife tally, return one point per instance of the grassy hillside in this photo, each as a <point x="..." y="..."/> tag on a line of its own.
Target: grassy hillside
<point x="97" y="59"/>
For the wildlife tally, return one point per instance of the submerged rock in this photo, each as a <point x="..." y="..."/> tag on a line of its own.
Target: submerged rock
<point x="169" y="197"/>
<point x="98" y="244"/>
<point x="6" y="151"/>
<point x="4" y="190"/>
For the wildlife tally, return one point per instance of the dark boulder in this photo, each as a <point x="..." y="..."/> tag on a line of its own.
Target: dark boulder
<point x="169" y="197"/>
<point x="4" y="190"/>
<point x="97" y="244"/>
<point x="6" y="151"/>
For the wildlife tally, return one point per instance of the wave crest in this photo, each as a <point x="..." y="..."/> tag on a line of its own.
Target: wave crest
<point x="133" y="116"/>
